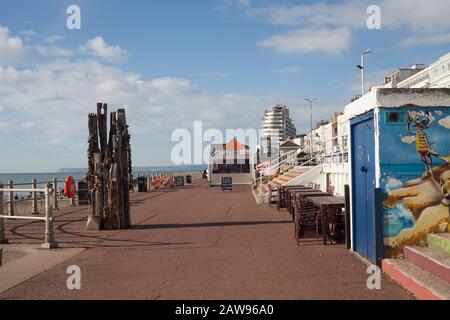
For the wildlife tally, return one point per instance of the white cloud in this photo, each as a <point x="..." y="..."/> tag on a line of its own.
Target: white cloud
<point x="416" y="15"/>
<point x="3" y="125"/>
<point x="425" y="40"/>
<point x="54" y="38"/>
<point x="97" y="47"/>
<point x="348" y="14"/>
<point x="53" y="95"/>
<point x="425" y="22"/>
<point x="289" y="69"/>
<point x="227" y="4"/>
<point x="392" y="184"/>
<point x="28" y="33"/>
<point x="408" y="139"/>
<point x="53" y="51"/>
<point x="445" y="122"/>
<point x="419" y="16"/>
<point x="331" y="41"/>
<point x="11" y="48"/>
<point x="26" y="125"/>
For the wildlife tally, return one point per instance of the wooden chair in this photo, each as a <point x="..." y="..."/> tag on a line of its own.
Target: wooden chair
<point x="316" y="186"/>
<point x="305" y="216"/>
<point x="281" y="198"/>
<point x="311" y="185"/>
<point x="273" y="196"/>
<point x="337" y="233"/>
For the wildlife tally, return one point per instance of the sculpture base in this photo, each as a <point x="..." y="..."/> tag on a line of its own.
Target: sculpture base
<point x="93" y="223"/>
<point x="51" y="245"/>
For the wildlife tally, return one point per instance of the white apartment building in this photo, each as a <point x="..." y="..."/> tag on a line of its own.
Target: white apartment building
<point x="437" y="75"/>
<point x="277" y="126"/>
<point x="299" y="140"/>
<point x="394" y="78"/>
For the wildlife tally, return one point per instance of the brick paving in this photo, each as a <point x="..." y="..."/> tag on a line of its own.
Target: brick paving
<point x="196" y="243"/>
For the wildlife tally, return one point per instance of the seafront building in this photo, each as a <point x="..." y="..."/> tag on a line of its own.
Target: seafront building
<point x="437" y="75"/>
<point x="331" y="138"/>
<point x="370" y="148"/>
<point x="277" y="126"/>
<point x="232" y="159"/>
<point x="394" y="78"/>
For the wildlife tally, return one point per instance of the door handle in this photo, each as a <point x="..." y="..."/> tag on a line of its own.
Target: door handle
<point x="364" y="169"/>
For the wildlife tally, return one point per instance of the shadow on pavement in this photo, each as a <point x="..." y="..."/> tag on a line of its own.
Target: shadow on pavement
<point x="206" y="224"/>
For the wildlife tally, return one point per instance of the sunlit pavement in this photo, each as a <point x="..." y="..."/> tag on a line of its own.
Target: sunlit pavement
<point x="196" y="243"/>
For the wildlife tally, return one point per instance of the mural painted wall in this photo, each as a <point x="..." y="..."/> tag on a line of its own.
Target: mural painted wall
<point x="415" y="174"/>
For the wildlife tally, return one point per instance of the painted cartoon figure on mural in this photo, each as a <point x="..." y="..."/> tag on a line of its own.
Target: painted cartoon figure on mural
<point x="417" y="200"/>
<point x="422" y="121"/>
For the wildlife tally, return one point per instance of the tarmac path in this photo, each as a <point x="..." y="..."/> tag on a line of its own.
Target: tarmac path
<point x="196" y="243"/>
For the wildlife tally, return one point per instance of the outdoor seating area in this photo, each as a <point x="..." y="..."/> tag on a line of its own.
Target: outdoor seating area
<point x="314" y="212"/>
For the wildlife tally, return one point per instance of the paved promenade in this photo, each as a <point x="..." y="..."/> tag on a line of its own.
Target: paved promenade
<point x="196" y="243"/>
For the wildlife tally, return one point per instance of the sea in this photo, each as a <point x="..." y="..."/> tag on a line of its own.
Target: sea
<point x="23" y="180"/>
<point x="398" y="217"/>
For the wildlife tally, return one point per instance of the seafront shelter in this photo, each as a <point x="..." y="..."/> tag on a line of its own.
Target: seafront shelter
<point x="232" y="159"/>
<point x="400" y="173"/>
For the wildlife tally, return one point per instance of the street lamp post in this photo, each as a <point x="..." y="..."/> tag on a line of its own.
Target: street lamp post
<point x="362" y="68"/>
<point x="310" y="101"/>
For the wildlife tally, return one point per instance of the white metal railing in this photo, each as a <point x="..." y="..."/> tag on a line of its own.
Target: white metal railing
<point x="336" y="157"/>
<point x="322" y="145"/>
<point x="49" y="239"/>
<point x="34" y="204"/>
<point x="287" y="159"/>
<point x="321" y="155"/>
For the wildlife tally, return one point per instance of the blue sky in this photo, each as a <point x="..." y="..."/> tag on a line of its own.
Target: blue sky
<point x="173" y="62"/>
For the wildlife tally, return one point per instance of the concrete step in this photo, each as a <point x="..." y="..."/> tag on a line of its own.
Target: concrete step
<point x="280" y="181"/>
<point x="439" y="241"/>
<point x="430" y="260"/>
<point x="301" y="170"/>
<point x="292" y="174"/>
<point x="285" y="178"/>
<point x="423" y="285"/>
<point x="286" y="167"/>
<point x="277" y="183"/>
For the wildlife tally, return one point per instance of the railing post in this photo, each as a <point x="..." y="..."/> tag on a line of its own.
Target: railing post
<point x="3" y="239"/>
<point x="50" y="242"/>
<point x="34" y="209"/>
<point x="11" y="199"/>
<point x="55" y="194"/>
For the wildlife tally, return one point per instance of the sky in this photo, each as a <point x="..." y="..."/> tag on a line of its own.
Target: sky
<point x="170" y="63"/>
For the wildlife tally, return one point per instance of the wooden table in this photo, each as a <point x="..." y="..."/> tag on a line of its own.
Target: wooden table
<point x="327" y="206"/>
<point x="283" y="194"/>
<point x="301" y="195"/>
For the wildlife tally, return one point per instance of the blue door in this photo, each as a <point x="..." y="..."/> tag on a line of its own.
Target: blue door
<point x="363" y="185"/>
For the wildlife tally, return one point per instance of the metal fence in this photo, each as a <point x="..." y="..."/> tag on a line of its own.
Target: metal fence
<point x="33" y="204"/>
<point x="48" y="191"/>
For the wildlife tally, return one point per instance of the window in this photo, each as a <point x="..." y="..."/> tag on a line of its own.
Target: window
<point x="395" y="117"/>
<point x="232" y="168"/>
